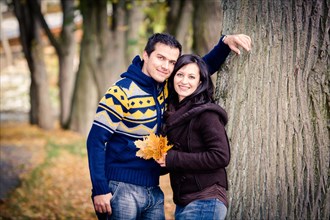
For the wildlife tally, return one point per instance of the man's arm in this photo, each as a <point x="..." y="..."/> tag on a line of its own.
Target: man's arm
<point x="106" y="121"/>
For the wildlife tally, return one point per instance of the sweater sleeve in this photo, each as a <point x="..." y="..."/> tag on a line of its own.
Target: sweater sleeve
<point x="216" y="154"/>
<point x="217" y="56"/>
<point x="108" y="116"/>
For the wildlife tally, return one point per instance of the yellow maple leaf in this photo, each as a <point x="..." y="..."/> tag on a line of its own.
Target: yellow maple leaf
<point x="152" y="146"/>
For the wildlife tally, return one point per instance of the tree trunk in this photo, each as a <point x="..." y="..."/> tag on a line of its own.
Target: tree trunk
<point x="207" y="25"/>
<point x="67" y="73"/>
<point x="114" y="57"/>
<point x="5" y="46"/>
<point x="173" y="15"/>
<point x="65" y="50"/>
<point x="30" y="36"/>
<point x="85" y="95"/>
<point x="103" y="58"/>
<point x="179" y="22"/>
<point x="184" y="26"/>
<point x="277" y="98"/>
<point x="135" y="19"/>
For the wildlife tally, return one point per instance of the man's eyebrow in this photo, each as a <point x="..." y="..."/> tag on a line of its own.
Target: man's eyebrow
<point x="159" y="54"/>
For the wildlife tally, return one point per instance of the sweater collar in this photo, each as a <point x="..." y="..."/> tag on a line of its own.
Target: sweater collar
<point x="134" y="72"/>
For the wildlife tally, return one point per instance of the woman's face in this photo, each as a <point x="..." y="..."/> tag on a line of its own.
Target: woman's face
<point x="186" y="80"/>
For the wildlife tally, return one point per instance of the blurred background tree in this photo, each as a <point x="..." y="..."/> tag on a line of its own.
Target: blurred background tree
<point x="33" y="45"/>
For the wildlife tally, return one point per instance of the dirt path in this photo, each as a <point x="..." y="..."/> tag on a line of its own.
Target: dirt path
<point x="14" y="162"/>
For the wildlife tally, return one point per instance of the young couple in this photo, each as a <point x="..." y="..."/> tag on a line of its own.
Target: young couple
<point x="127" y="187"/>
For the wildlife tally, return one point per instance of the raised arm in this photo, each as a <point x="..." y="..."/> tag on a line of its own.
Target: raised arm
<point x="217" y="56"/>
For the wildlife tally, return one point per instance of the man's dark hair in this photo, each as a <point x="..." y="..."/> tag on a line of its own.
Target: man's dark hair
<point x="204" y="92"/>
<point x="163" y="38"/>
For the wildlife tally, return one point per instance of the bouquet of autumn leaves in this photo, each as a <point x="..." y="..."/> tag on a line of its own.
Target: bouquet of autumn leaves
<point x="152" y="146"/>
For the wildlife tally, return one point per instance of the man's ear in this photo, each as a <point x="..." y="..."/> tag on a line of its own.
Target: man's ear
<point x="145" y="55"/>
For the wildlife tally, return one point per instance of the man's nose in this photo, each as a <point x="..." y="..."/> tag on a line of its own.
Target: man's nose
<point x="165" y="64"/>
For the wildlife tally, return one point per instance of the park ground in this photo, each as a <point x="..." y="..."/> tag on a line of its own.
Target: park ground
<point x="44" y="175"/>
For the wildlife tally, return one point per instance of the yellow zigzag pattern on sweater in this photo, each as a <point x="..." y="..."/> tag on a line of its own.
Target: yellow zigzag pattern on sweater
<point x="133" y="99"/>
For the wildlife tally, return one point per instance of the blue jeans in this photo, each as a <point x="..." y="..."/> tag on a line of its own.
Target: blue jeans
<point x="207" y="209"/>
<point x="130" y="202"/>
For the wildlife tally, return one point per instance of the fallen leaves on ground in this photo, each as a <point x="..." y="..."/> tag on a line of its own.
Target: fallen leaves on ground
<point x="57" y="186"/>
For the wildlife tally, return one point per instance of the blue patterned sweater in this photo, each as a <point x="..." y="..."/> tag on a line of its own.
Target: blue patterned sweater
<point x="131" y="109"/>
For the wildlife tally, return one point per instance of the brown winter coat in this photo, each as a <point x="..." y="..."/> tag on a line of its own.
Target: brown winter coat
<point x="201" y="148"/>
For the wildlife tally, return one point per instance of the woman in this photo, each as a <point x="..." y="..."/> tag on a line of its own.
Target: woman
<point x="195" y="125"/>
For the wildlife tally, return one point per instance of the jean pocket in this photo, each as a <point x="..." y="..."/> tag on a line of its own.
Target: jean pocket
<point x="113" y="186"/>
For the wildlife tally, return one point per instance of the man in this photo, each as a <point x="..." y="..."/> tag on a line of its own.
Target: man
<point x="130" y="110"/>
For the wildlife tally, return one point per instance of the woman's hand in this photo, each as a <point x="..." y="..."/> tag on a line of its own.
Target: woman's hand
<point x="162" y="161"/>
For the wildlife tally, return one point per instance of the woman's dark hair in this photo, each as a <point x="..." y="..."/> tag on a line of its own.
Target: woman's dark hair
<point x="163" y="38"/>
<point x="204" y="92"/>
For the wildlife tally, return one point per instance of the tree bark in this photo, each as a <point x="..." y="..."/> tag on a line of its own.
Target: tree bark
<point x="277" y="98"/>
<point x="85" y="95"/>
<point x="30" y="36"/>
<point x="65" y="50"/>
<point x="136" y="17"/>
<point x="173" y="15"/>
<point x="207" y="25"/>
<point x="179" y="22"/>
<point x="103" y="57"/>
<point x="67" y="74"/>
<point x="184" y="31"/>
<point x="114" y="57"/>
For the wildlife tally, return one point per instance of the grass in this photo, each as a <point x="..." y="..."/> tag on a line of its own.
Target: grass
<point x="57" y="184"/>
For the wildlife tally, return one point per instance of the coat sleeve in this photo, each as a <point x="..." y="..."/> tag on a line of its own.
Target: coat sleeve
<point x="217" y="56"/>
<point x="216" y="153"/>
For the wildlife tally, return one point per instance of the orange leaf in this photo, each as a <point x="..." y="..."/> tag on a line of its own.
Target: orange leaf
<point x="152" y="146"/>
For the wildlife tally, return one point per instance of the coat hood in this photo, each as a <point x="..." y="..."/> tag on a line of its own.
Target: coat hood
<point x="189" y="111"/>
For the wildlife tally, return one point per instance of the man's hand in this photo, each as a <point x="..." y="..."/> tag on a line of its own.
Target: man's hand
<point x="102" y="203"/>
<point x="238" y="40"/>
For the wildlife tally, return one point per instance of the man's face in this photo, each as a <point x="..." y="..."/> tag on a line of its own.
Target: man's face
<point x="159" y="65"/>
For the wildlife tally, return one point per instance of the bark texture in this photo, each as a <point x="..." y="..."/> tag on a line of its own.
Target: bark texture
<point x="278" y="101"/>
<point x="67" y="74"/>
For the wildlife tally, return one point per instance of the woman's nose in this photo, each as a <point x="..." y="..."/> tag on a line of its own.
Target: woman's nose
<point x="184" y="80"/>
